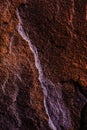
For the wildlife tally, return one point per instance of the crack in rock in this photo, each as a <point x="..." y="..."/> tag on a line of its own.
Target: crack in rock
<point x="56" y="110"/>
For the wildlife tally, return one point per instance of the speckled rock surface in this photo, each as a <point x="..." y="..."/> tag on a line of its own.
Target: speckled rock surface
<point x="43" y="65"/>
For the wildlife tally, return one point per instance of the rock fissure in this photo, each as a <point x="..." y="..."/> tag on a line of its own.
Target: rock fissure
<point x="37" y="62"/>
<point x="53" y="109"/>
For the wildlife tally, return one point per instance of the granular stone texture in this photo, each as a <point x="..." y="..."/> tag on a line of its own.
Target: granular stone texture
<point x="43" y="65"/>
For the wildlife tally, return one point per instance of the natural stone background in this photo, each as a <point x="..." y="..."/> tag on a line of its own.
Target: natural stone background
<point x="58" y="29"/>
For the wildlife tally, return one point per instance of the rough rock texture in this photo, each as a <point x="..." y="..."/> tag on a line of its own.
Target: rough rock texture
<point x="43" y="65"/>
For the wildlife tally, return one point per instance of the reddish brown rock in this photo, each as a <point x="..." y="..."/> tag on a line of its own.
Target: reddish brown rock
<point x="58" y="30"/>
<point x="21" y="96"/>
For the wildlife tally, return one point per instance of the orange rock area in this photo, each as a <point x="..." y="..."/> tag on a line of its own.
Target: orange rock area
<point x="60" y="36"/>
<point x="17" y="65"/>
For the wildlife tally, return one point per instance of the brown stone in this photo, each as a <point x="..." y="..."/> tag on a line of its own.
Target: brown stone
<point x="58" y="30"/>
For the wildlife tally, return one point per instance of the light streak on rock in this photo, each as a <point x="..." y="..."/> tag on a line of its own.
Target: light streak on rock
<point x="53" y="107"/>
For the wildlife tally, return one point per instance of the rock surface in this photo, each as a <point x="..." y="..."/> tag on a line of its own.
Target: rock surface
<point x="43" y="65"/>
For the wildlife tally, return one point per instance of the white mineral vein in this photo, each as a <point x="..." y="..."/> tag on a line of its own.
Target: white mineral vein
<point x="53" y="101"/>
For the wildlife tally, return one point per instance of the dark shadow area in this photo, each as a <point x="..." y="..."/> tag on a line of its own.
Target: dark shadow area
<point x="83" y="121"/>
<point x="75" y="95"/>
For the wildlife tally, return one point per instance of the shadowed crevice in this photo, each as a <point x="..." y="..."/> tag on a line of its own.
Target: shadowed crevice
<point x="83" y="121"/>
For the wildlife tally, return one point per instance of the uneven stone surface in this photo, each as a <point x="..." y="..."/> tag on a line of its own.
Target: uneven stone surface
<point x="43" y="65"/>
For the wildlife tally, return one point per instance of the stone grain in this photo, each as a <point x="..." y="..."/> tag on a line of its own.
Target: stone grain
<point x="43" y="65"/>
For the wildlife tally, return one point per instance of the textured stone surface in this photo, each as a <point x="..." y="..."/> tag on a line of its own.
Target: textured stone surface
<point x="43" y="65"/>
